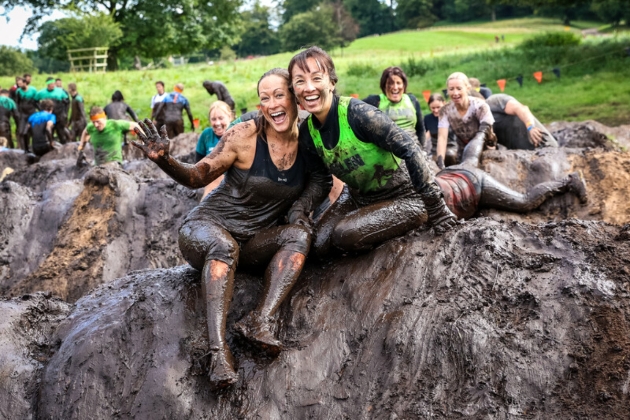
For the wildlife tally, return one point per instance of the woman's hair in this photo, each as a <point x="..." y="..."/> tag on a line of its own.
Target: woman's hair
<point x="117" y="96"/>
<point x="436" y="97"/>
<point x="261" y="122"/>
<point x="323" y="60"/>
<point x="459" y="76"/>
<point x="393" y="71"/>
<point x="221" y="106"/>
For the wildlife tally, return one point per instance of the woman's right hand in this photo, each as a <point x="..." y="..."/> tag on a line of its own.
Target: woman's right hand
<point x="153" y="144"/>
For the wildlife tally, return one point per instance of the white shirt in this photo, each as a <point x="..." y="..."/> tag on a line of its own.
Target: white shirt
<point x="157" y="98"/>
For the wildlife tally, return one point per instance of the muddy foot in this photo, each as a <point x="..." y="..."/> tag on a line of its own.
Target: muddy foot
<point x="222" y="372"/>
<point x="258" y="331"/>
<point x="577" y="185"/>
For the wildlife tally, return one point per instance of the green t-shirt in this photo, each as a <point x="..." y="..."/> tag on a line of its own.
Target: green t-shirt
<point x="7" y="103"/>
<point x="27" y="95"/>
<point x="57" y="94"/>
<point x="107" y="144"/>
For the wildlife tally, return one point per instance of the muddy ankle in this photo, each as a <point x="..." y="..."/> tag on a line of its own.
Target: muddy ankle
<point x="258" y="330"/>
<point x="222" y="372"/>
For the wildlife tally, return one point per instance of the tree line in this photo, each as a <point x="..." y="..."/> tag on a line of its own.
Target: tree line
<point x="154" y="29"/>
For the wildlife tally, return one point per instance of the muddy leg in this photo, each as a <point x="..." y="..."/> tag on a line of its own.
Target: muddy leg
<point x="472" y="152"/>
<point x="324" y="227"/>
<point x="498" y="196"/>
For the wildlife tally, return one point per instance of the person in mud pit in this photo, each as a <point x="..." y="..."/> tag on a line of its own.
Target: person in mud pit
<point x="436" y="102"/>
<point x="467" y="188"/>
<point x="402" y="107"/>
<point x="220" y="116"/>
<point x="106" y="136"/>
<point x="8" y="110"/>
<point x="78" y="119"/>
<point x="27" y="106"/>
<point x="40" y="128"/>
<point x="266" y="177"/>
<point x="391" y="188"/>
<point x="468" y="116"/>
<point x="170" y="111"/>
<point x="117" y="109"/>
<point x="515" y="126"/>
<point x="62" y="104"/>
<point x="219" y="89"/>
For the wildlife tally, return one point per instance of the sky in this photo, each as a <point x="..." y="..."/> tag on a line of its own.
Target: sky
<point x="12" y="25"/>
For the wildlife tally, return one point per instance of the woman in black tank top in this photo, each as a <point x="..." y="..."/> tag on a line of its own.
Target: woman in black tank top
<point x="266" y="179"/>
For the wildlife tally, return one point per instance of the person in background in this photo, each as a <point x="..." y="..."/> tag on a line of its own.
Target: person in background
<point x="156" y="99"/>
<point x="78" y="119"/>
<point x="106" y="136"/>
<point x="476" y="85"/>
<point x="27" y="106"/>
<point x="219" y="89"/>
<point x="436" y="102"/>
<point x="402" y="107"/>
<point x="170" y="110"/>
<point x="19" y="82"/>
<point x="515" y="126"/>
<point x="27" y="79"/>
<point x="40" y="127"/>
<point x="117" y="109"/>
<point x="61" y="100"/>
<point x="467" y="116"/>
<point x="8" y="110"/>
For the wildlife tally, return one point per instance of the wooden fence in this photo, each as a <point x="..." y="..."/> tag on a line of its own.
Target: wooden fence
<point x="88" y="59"/>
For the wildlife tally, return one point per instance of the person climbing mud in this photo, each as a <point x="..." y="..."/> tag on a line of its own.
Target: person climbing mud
<point x="78" y="119"/>
<point x="117" y="109"/>
<point x="467" y="188"/>
<point x="468" y="116"/>
<point x="170" y="111"/>
<point x="8" y="110"/>
<point x="106" y="136"/>
<point x="402" y="107"/>
<point x="27" y="106"/>
<point x="40" y="127"/>
<point x="61" y="100"/>
<point x="391" y="188"/>
<point x="219" y="89"/>
<point x="266" y="178"/>
<point x="436" y="102"/>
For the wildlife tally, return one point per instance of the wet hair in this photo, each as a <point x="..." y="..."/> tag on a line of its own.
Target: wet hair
<point x="435" y="97"/>
<point x="458" y="75"/>
<point x="72" y="86"/>
<point x="47" y="105"/>
<point x="159" y="82"/>
<point x="323" y="60"/>
<point x="117" y="96"/>
<point x="95" y="110"/>
<point x="221" y="106"/>
<point x="474" y="82"/>
<point x="393" y="71"/>
<point x="261" y="121"/>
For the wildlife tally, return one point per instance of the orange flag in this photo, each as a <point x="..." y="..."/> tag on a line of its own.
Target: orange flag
<point x="427" y="95"/>
<point x="501" y="83"/>
<point x="538" y="76"/>
<point x="354" y="95"/>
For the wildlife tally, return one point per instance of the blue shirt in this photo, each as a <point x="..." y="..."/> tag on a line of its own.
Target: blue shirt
<point x="42" y="117"/>
<point x="207" y="141"/>
<point x="176" y="98"/>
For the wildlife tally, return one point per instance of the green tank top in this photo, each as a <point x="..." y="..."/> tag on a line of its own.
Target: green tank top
<point x="363" y="166"/>
<point x="402" y="113"/>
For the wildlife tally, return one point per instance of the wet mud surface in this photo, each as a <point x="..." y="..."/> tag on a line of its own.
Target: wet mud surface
<point x="506" y="317"/>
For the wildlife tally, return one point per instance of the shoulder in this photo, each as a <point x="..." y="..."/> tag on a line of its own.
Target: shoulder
<point x="241" y="135"/>
<point x="208" y="133"/>
<point x="78" y="98"/>
<point x="373" y="100"/>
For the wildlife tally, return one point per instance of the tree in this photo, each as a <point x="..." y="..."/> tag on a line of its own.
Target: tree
<point x="612" y="11"/>
<point x="372" y="16"/>
<point x="294" y="7"/>
<point x="14" y="62"/>
<point x="257" y="38"/>
<point x="413" y="14"/>
<point x="566" y="9"/>
<point x="151" y="28"/>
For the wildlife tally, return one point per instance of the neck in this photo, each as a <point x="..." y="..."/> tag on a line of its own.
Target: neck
<point x="463" y="105"/>
<point x="286" y="137"/>
<point x="321" y="115"/>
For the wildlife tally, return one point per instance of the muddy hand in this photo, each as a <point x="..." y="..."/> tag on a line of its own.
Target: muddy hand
<point x="535" y="136"/>
<point x="298" y="217"/>
<point x="154" y="145"/>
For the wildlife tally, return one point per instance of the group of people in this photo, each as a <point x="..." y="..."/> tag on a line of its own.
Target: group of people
<point x="269" y="177"/>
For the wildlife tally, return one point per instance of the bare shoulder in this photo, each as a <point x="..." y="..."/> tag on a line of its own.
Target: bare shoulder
<point x="241" y="137"/>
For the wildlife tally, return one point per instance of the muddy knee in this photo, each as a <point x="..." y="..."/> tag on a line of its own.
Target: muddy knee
<point x="295" y="238"/>
<point x="200" y="242"/>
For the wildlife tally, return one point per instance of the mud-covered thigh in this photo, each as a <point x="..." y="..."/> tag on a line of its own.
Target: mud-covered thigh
<point x="265" y="243"/>
<point x="200" y="241"/>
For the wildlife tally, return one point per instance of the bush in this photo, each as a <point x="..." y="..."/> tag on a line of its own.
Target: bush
<point x="14" y="62"/>
<point x="551" y="39"/>
<point x="362" y="70"/>
<point x="417" y="67"/>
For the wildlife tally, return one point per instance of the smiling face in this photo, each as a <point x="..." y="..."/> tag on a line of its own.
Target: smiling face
<point x="435" y="107"/>
<point x="219" y="121"/>
<point x="313" y="88"/>
<point x="457" y="91"/>
<point x="277" y="103"/>
<point x="395" y="88"/>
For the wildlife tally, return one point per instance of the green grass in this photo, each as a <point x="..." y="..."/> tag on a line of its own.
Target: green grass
<point x="598" y="91"/>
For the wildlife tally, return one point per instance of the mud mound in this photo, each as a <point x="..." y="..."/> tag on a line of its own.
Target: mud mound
<point x="494" y="320"/>
<point x="89" y="234"/>
<point x="583" y="135"/>
<point x="607" y="176"/>
<point x="618" y="136"/>
<point x="26" y="326"/>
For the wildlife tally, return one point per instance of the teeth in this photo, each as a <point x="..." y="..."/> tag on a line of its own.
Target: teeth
<point x="277" y="113"/>
<point x="311" y="98"/>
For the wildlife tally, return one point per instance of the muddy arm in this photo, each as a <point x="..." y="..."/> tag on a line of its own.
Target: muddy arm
<point x="190" y="117"/>
<point x="132" y="113"/>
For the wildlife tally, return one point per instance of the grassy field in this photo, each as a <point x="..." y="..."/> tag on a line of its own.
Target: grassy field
<point x="600" y="93"/>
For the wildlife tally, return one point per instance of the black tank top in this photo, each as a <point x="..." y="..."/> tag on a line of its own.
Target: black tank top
<point x="253" y="199"/>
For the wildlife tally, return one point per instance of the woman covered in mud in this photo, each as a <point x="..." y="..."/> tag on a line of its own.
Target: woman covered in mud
<point x="266" y="178"/>
<point x="467" y="188"/>
<point x="467" y="116"/>
<point x="391" y="188"/>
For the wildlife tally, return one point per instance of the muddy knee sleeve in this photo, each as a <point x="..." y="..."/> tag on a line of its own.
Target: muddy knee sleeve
<point x="201" y="241"/>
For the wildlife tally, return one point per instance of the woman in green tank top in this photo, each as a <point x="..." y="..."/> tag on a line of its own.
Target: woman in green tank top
<point x="391" y="189"/>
